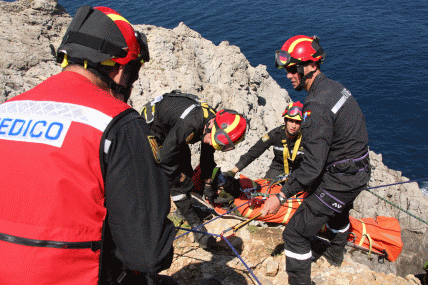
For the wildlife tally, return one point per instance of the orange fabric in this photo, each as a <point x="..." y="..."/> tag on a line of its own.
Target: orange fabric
<point x="385" y="233"/>
<point x="281" y="217"/>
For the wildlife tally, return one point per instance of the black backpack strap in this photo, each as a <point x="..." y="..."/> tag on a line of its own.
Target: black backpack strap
<point x="205" y="107"/>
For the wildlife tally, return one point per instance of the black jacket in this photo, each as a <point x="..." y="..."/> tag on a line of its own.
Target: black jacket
<point x="276" y="138"/>
<point x="137" y="200"/>
<point x="333" y="129"/>
<point x="179" y="121"/>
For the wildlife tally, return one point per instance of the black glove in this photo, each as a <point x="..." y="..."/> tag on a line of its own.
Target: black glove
<point x="210" y="193"/>
<point x="232" y="186"/>
<point x="184" y="186"/>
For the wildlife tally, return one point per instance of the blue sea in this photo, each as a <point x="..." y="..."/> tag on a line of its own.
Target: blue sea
<point x="377" y="49"/>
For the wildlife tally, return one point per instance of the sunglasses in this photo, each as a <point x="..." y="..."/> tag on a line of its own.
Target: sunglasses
<point x="291" y="69"/>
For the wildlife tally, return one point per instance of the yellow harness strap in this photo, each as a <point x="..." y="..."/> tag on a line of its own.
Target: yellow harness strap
<point x="285" y="153"/>
<point x="363" y="236"/>
<point x="206" y="108"/>
<point x="285" y="157"/>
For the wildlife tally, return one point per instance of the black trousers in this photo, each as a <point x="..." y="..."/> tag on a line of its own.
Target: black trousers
<point x="306" y="222"/>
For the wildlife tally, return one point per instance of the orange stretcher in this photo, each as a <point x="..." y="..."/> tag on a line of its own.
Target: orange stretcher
<point x="382" y="235"/>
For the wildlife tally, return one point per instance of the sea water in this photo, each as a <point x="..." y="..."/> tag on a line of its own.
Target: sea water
<point x="376" y="49"/>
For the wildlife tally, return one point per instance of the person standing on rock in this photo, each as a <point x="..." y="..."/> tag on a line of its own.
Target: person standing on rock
<point x="335" y="168"/>
<point x="177" y="120"/>
<point x="83" y="200"/>
<point x="286" y="142"/>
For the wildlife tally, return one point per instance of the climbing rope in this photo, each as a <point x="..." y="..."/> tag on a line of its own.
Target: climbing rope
<point x="396" y="206"/>
<point x="229" y="244"/>
<point x="222" y="237"/>
<point x="228" y="212"/>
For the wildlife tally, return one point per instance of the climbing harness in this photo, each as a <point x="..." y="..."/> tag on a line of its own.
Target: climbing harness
<point x="286" y="154"/>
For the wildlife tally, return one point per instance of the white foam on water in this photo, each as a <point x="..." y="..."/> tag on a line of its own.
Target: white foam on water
<point x="424" y="188"/>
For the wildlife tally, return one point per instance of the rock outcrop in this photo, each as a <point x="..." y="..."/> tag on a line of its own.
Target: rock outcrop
<point x="31" y="32"/>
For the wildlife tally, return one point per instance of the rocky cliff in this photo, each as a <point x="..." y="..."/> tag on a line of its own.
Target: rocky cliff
<point x="181" y="59"/>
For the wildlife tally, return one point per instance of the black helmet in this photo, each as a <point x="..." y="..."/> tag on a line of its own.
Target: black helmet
<point x="101" y="35"/>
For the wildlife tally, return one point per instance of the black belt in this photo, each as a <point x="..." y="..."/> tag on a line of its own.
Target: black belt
<point x="349" y="166"/>
<point x="94" y="245"/>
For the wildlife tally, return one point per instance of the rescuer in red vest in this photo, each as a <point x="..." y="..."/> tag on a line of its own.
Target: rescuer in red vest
<point x="83" y="199"/>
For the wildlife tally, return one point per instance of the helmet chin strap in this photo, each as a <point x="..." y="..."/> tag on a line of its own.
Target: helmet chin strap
<point x="125" y="91"/>
<point x="303" y="77"/>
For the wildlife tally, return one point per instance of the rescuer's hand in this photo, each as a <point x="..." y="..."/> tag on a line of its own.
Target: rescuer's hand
<point x="271" y="206"/>
<point x="210" y="193"/>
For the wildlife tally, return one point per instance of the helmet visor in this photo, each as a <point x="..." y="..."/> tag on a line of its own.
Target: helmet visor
<point x="220" y="136"/>
<point x="293" y="112"/>
<point x="282" y="58"/>
<point x="144" y="50"/>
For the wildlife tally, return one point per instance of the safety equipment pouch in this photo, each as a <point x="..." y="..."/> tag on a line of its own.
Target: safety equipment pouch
<point x="329" y="200"/>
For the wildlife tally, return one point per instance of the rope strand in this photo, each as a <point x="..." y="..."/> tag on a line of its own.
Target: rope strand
<point x="392" y="204"/>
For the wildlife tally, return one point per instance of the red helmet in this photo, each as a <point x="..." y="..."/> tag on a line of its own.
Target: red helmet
<point x="293" y="111"/>
<point x="101" y="35"/>
<point x="298" y="50"/>
<point x="228" y="130"/>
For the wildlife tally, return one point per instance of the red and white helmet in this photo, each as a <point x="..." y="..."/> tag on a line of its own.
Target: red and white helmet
<point x="228" y="130"/>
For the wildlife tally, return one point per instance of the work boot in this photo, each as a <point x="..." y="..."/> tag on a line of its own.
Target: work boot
<point x="334" y="255"/>
<point x="205" y="241"/>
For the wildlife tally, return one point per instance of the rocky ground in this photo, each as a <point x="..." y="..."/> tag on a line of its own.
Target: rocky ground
<point x="261" y="250"/>
<point x="31" y="32"/>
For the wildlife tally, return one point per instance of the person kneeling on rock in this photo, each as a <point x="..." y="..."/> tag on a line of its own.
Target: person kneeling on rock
<point x="177" y="120"/>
